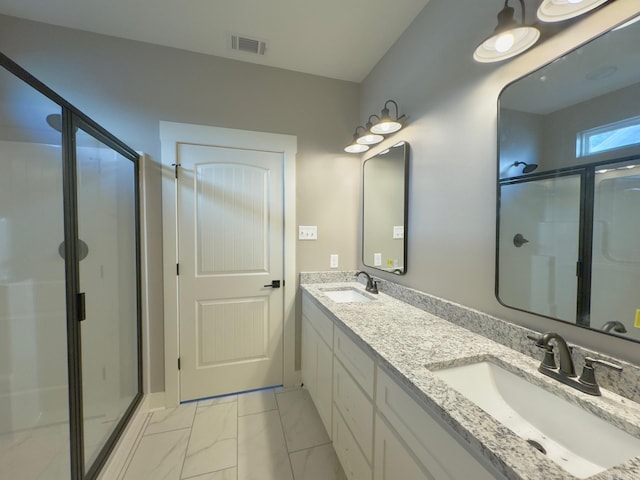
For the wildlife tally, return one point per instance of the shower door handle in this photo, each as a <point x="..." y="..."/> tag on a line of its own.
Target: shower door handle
<point x="82" y="309"/>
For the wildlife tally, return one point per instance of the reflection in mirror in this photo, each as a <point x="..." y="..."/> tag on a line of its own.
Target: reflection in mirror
<point x="384" y="219"/>
<point x="569" y="187"/>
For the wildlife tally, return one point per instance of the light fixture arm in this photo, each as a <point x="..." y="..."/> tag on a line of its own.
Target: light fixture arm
<point x="386" y="109"/>
<point x="370" y="123"/>
<point x="523" y="16"/>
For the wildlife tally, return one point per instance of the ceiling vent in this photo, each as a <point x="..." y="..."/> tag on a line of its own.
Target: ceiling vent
<point x="248" y="45"/>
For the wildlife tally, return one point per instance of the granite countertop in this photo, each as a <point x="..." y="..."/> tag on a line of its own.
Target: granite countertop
<point x="408" y="341"/>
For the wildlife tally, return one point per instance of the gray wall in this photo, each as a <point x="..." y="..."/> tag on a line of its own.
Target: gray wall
<point x="451" y="102"/>
<point x="128" y="87"/>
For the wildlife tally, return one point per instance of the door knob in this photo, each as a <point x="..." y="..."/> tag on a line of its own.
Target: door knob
<point x="273" y="284"/>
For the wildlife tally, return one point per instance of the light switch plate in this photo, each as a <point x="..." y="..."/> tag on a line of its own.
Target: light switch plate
<point x="398" y="231"/>
<point x="333" y="260"/>
<point x="307" y="232"/>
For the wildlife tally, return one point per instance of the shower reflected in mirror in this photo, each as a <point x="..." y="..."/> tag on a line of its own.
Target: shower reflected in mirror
<point x="569" y="182"/>
<point x="528" y="167"/>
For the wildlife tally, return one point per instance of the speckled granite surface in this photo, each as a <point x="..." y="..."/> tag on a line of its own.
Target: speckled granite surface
<point x="626" y="384"/>
<point x="408" y="340"/>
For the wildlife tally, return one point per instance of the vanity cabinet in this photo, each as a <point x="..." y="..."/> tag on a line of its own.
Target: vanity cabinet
<point x="411" y="444"/>
<point x="379" y="430"/>
<point x="317" y="359"/>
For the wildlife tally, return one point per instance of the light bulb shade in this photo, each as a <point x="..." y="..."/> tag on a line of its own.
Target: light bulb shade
<point x="560" y="10"/>
<point x="356" y="148"/>
<point x="369" y="138"/>
<point x="387" y="125"/>
<point x="505" y="44"/>
<point x="385" y="128"/>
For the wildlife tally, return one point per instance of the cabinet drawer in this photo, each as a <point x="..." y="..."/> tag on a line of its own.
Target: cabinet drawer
<point x="436" y="447"/>
<point x="353" y="462"/>
<point x="320" y="321"/>
<point x="355" y="407"/>
<point x="359" y="364"/>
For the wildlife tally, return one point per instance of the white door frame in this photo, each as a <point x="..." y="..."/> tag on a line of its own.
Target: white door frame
<point x="172" y="133"/>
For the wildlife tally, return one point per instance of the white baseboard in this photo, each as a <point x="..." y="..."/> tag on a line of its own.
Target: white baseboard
<point x="123" y="451"/>
<point x="156" y="401"/>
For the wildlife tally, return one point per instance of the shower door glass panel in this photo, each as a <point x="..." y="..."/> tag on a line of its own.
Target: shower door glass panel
<point x="34" y="406"/>
<point x="615" y="274"/>
<point x="538" y="248"/>
<point x="106" y="224"/>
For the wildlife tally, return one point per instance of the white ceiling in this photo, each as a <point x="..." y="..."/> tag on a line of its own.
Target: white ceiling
<point x="609" y="63"/>
<point x="342" y="39"/>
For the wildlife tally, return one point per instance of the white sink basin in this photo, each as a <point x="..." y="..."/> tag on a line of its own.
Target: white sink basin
<point x="575" y="439"/>
<point x="348" y="295"/>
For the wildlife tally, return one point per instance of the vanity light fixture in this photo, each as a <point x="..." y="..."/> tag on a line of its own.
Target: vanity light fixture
<point x="375" y="129"/>
<point x="386" y="124"/>
<point x="369" y="137"/>
<point x="354" y="146"/>
<point x="509" y="38"/>
<point x="561" y="10"/>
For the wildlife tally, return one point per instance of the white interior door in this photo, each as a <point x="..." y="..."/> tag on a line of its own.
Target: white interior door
<point x="230" y="246"/>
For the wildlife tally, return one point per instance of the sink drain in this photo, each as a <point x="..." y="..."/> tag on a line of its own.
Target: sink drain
<point x="537" y="446"/>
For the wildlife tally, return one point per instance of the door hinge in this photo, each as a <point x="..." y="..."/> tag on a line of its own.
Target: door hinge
<point x="175" y="168"/>
<point x="178" y="364"/>
<point x="82" y="309"/>
<point x="177" y="269"/>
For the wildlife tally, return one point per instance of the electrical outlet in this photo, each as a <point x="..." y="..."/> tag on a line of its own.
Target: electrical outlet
<point x="377" y="259"/>
<point x="307" y="232"/>
<point x="398" y="232"/>
<point x="333" y="260"/>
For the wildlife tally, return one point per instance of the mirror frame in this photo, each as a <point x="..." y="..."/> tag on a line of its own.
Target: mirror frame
<point x="407" y="154"/>
<point x="598" y="161"/>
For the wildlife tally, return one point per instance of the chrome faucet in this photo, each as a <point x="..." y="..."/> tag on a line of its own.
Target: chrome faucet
<point x="566" y="372"/>
<point x="372" y="286"/>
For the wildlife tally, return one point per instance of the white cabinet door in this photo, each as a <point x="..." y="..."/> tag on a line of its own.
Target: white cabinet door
<point x="393" y="459"/>
<point x="317" y="371"/>
<point x="308" y="357"/>
<point x="324" y="388"/>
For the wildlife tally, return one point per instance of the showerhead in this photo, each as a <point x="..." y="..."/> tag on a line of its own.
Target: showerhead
<point x="55" y="121"/>
<point x="528" y="167"/>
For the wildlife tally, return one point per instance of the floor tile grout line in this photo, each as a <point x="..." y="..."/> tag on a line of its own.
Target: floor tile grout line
<point x="209" y="473"/>
<point x="311" y="447"/>
<point x="186" y="448"/>
<point x="286" y="446"/>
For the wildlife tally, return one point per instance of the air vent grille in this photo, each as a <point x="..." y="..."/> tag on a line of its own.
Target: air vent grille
<point x="248" y="45"/>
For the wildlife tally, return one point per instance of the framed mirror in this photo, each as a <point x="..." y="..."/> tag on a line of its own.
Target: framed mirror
<point x="568" y="235"/>
<point x="385" y="180"/>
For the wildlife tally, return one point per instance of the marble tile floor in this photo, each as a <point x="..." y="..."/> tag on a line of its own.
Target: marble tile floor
<point x="273" y="434"/>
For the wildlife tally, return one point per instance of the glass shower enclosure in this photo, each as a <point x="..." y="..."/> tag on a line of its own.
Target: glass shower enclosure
<point x="70" y="352"/>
